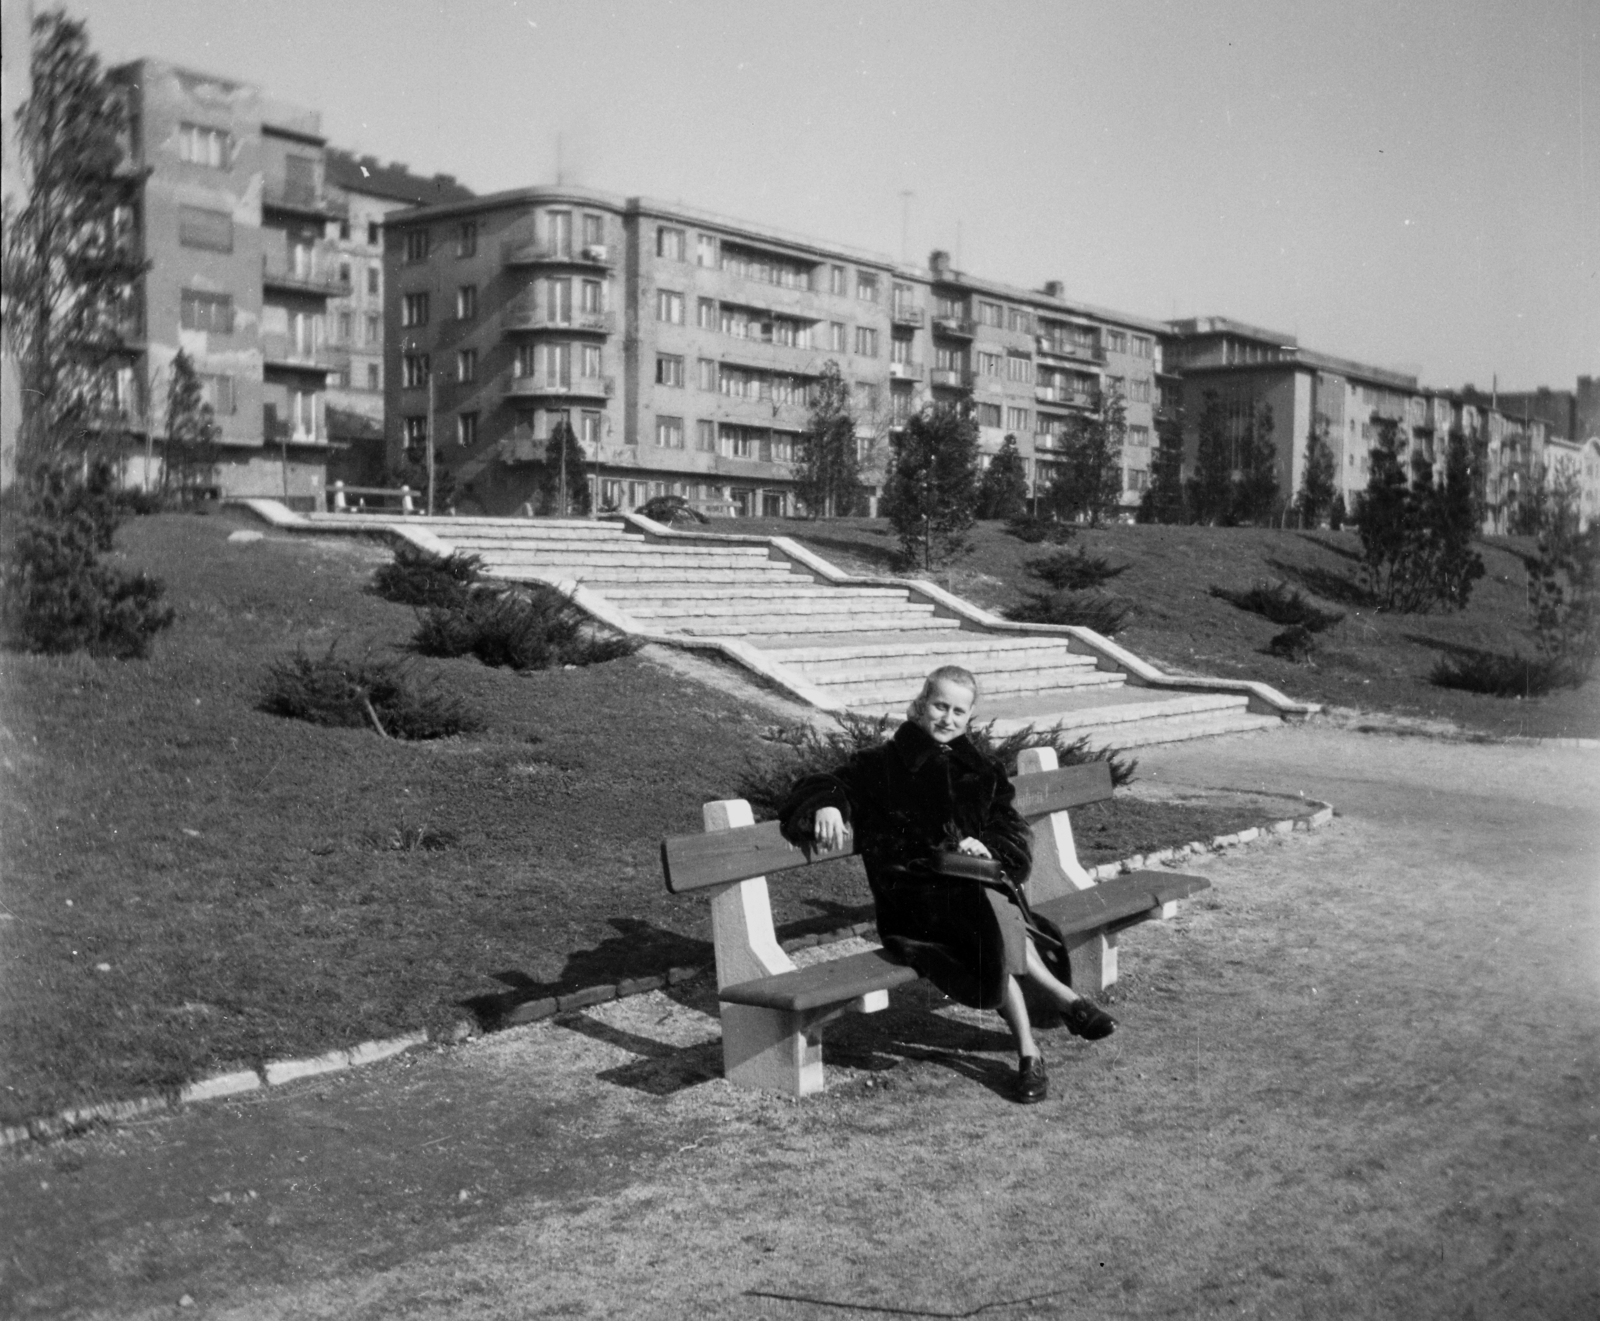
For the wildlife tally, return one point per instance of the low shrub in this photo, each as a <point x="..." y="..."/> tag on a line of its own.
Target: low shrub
<point x="1075" y="571"/>
<point x="1106" y="615"/>
<point x="794" y="751"/>
<point x="1033" y="530"/>
<point x="1276" y="602"/>
<point x="421" y="578"/>
<point x="382" y="695"/>
<point x="535" y="627"/>
<point x="1499" y="676"/>
<point x="669" y="508"/>
<point x="1295" y="643"/>
<point x="58" y="597"/>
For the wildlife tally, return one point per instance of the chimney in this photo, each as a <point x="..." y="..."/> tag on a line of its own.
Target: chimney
<point x="401" y="166"/>
<point x="1055" y="289"/>
<point x="445" y="179"/>
<point x="939" y="262"/>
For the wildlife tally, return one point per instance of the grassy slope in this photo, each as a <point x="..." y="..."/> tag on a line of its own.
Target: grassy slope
<point x="1372" y="661"/>
<point x="234" y="869"/>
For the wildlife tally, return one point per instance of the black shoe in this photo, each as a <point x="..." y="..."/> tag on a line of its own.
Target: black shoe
<point x="1031" y="1086"/>
<point x="1088" y="1020"/>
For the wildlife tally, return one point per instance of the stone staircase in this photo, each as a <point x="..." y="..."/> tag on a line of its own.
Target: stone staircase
<point x="845" y="643"/>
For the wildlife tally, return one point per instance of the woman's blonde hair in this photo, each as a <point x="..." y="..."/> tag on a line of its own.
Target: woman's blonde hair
<point x="944" y="674"/>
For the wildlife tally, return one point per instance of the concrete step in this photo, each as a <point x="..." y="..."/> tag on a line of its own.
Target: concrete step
<point x="911" y="668"/>
<point x="636" y="556"/>
<point x="677" y="606"/>
<point x="599" y="578"/>
<point x="800" y="588"/>
<point x="719" y="626"/>
<point x="1179" y="729"/>
<point x="980" y="649"/>
<point x="886" y="693"/>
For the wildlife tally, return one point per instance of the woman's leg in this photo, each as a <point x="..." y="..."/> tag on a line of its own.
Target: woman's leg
<point x="1015" y="1011"/>
<point x="1046" y="981"/>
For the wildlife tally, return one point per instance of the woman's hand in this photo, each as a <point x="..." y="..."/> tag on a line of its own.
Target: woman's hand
<point x="828" y="829"/>
<point x="974" y="848"/>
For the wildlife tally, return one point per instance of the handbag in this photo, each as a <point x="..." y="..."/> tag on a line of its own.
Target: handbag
<point x="1047" y="938"/>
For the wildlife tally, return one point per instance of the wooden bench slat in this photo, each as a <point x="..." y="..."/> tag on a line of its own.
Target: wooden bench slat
<point x="1120" y="897"/>
<point x="836" y="981"/>
<point x="692" y="862"/>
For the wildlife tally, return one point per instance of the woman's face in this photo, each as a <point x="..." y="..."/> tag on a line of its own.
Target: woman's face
<point x="945" y="711"/>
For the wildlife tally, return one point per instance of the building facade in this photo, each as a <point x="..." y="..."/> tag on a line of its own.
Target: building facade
<point x="684" y="349"/>
<point x="232" y="223"/>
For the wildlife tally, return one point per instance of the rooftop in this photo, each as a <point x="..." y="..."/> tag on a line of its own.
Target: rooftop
<point x="394" y="181"/>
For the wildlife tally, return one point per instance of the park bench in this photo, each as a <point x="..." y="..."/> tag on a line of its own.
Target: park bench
<point x="773" y="1013"/>
<point x="386" y="499"/>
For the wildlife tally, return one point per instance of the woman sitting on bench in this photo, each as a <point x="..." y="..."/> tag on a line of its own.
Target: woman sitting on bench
<point x="927" y="792"/>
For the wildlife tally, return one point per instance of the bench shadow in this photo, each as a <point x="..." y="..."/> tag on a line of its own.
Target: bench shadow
<point x="1323" y="582"/>
<point x="638" y="949"/>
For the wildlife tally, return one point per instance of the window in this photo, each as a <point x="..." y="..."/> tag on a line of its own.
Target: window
<point x="219" y="393"/>
<point x="593" y="297"/>
<point x="372" y="281"/>
<point x="988" y="415"/>
<point x="669" y="242"/>
<point x="467" y="365"/>
<point x="866" y="341"/>
<point x="736" y="442"/>
<point x="344" y="272"/>
<point x="342" y="377"/>
<point x="1143" y="346"/>
<point x="417" y="245"/>
<point x="466" y="302"/>
<point x="589" y="423"/>
<point x="900" y="298"/>
<point x="705" y="251"/>
<point x="346" y="327"/>
<point x="1139" y="436"/>
<point x="467" y="239"/>
<point x="558" y="302"/>
<point x="591" y="362"/>
<point x="558" y="232"/>
<point x="866" y="397"/>
<point x="866" y="287"/>
<point x="1139" y="390"/>
<point x="344" y="230"/>
<point x="706" y="314"/>
<point x="210" y="147"/>
<point x="948" y="359"/>
<point x="1017" y="420"/>
<point x="1018" y="368"/>
<point x="669" y="371"/>
<point x="414" y="310"/>
<point x="374" y="377"/>
<point x="374" y="234"/>
<point x="669" y="307"/>
<point x="991" y="314"/>
<point x="594" y="229"/>
<point x="414" y="370"/>
<point x="988" y="365"/>
<point x="836" y="337"/>
<point x="1114" y="385"/>
<point x="416" y="433"/>
<point x="669" y="432"/>
<point x="1116" y="341"/>
<point x="708" y="374"/>
<point x="374" y="328"/>
<point x="466" y="429"/>
<point x="202" y="228"/>
<point x="900" y="349"/>
<point x="836" y="279"/>
<point x="1017" y="319"/>
<point x="210" y="312"/>
<point x="705" y="436"/>
<point x="952" y="309"/>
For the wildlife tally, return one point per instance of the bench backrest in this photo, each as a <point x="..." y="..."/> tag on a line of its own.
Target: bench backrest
<point x="717" y="857"/>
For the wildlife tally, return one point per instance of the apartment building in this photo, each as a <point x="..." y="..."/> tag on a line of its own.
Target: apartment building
<point x="684" y="349"/>
<point x="365" y="190"/>
<point x="232" y="220"/>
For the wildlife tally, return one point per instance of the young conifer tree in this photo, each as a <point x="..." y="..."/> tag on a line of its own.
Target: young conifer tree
<point x="932" y="492"/>
<point x="828" y="465"/>
<point x="1211" y="487"/>
<point x="1316" y="480"/>
<point x="1003" y="491"/>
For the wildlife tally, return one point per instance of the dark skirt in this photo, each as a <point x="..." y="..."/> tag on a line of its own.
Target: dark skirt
<point x="967" y="939"/>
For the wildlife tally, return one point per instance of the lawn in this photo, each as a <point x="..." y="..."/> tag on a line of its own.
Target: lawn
<point x="1372" y="661"/>
<point x="190" y="883"/>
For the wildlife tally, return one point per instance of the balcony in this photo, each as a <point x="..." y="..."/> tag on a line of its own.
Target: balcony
<point x="542" y="252"/>
<point x="1066" y="397"/>
<point x="298" y="200"/>
<point x="906" y="316"/>
<point x="1068" y="348"/>
<point x="302" y="271"/>
<point x="283" y="352"/>
<point x="536" y="316"/>
<point x="949" y="378"/>
<point x="905" y="371"/>
<point x="961" y="327"/>
<point x="566" y="387"/>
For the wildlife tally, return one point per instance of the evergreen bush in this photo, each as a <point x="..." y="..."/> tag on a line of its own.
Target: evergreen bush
<point x="420" y="578"/>
<point x="1033" y="530"/>
<point x="1075" y="571"/>
<point x="1105" y="614"/>
<point x="533" y="628"/>
<point x="1276" y="602"/>
<point x="381" y="695"/>
<point x="1498" y="676"/>
<point x="1295" y="643"/>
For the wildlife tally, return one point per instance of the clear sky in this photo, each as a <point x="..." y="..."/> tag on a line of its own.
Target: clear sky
<point x="1412" y="183"/>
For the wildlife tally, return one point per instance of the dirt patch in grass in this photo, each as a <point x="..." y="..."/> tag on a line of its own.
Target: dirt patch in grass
<point x="191" y="883"/>
<point x="1371" y="661"/>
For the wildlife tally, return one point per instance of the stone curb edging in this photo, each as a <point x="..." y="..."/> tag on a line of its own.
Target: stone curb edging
<point x="275" y="1073"/>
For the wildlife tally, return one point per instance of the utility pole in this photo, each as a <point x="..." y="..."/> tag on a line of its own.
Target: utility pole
<point x="905" y="224"/>
<point x="430" y="438"/>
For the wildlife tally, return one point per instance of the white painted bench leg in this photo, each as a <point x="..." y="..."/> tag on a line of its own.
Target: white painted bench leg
<point x="1094" y="964"/>
<point x="772" y="1050"/>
